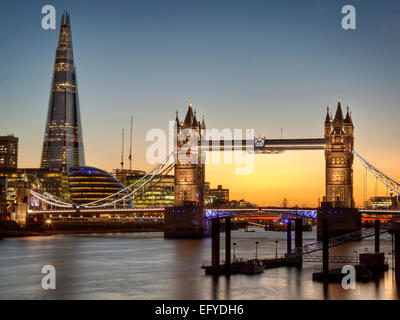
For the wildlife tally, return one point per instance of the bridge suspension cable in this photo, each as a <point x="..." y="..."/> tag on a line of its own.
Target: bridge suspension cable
<point x="382" y="177"/>
<point x="49" y="201"/>
<point x="150" y="173"/>
<point x="159" y="172"/>
<point x="160" y="169"/>
<point x="57" y="199"/>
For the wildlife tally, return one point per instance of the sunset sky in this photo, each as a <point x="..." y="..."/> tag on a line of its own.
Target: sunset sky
<point x="263" y="65"/>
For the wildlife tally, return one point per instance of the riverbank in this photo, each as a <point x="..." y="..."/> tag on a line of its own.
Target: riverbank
<point x="17" y="233"/>
<point x="90" y="227"/>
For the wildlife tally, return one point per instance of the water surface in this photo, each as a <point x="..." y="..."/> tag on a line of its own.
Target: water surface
<point x="147" y="266"/>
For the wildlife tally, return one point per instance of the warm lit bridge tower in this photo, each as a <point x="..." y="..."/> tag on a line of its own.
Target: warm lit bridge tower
<point x="339" y="135"/>
<point x="189" y="171"/>
<point x="186" y="218"/>
<point x="338" y="205"/>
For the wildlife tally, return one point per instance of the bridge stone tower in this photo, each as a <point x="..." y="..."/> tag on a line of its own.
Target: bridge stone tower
<point x="186" y="219"/>
<point x="339" y="136"/>
<point x="338" y="203"/>
<point x="189" y="164"/>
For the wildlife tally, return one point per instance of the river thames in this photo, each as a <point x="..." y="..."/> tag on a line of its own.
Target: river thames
<point x="147" y="266"/>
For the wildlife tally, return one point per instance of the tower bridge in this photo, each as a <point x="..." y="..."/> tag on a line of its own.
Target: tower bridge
<point x="338" y="143"/>
<point x="188" y="218"/>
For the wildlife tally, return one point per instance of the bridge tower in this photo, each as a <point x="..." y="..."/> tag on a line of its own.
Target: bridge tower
<point x="189" y="165"/>
<point x="338" y="204"/>
<point x="339" y="137"/>
<point x="186" y="219"/>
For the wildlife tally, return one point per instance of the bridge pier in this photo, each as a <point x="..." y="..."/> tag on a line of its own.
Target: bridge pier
<point x="397" y="256"/>
<point x="377" y="235"/>
<point x="228" y="228"/>
<point x="298" y="226"/>
<point x="325" y="249"/>
<point x="289" y="236"/>
<point x="340" y="220"/>
<point x="394" y="230"/>
<point x="215" y="246"/>
<point x="186" y="222"/>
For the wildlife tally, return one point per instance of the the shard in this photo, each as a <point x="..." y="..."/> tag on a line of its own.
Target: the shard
<point x="63" y="145"/>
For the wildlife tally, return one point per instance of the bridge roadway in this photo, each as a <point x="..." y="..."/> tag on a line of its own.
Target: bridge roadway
<point x="91" y="212"/>
<point x="210" y="213"/>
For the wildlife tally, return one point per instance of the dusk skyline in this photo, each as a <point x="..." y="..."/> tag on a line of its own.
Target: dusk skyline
<point x="241" y="66"/>
<point x="200" y="155"/>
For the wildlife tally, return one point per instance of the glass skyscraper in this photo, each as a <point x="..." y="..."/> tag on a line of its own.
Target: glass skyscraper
<point x="63" y="145"/>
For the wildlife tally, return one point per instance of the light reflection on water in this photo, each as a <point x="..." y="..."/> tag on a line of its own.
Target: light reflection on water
<point x="147" y="266"/>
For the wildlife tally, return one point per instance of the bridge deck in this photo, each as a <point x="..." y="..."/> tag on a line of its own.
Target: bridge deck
<point x="96" y="211"/>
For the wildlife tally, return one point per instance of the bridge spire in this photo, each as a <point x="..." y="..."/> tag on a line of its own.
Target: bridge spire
<point x="189" y="117"/>
<point x="348" y="117"/>
<point x="203" y="123"/>
<point x="177" y="118"/>
<point x="339" y="113"/>
<point x="195" y="118"/>
<point x="328" y="118"/>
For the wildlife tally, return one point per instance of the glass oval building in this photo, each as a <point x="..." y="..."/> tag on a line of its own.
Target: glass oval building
<point x="87" y="184"/>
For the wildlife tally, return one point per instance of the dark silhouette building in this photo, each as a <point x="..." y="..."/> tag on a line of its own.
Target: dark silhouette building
<point x="63" y="145"/>
<point x="219" y="193"/>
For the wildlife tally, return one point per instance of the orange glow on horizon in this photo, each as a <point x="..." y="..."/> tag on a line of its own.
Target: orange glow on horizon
<point x="297" y="175"/>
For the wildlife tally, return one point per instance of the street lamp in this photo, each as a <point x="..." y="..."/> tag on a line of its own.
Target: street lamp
<point x="276" y="249"/>
<point x="234" y="251"/>
<point x="256" y="249"/>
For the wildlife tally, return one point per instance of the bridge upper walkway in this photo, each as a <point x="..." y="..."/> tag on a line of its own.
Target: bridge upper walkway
<point x="263" y="145"/>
